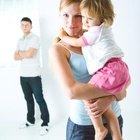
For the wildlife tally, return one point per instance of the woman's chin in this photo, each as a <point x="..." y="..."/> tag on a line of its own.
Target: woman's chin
<point x="72" y="34"/>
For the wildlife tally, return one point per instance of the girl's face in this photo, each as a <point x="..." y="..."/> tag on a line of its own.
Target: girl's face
<point x="72" y="19"/>
<point x="89" y="21"/>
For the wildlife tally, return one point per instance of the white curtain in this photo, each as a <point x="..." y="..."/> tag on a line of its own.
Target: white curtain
<point x="11" y="12"/>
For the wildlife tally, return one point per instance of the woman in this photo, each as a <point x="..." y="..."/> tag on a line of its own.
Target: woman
<point x="72" y="72"/>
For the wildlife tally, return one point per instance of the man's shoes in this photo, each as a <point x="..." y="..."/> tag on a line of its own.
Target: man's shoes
<point x="25" y="125"/>
<point x="44" y="130"/>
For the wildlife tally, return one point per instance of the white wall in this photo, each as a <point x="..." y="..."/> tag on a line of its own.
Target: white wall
<point x="127" y="34"/>
<point x="49" y="23"/>
<point x="126" y="30"/>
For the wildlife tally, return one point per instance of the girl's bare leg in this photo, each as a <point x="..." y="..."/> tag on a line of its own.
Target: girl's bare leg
<point x="113" y="124"/>
<point x="100" y="130"/>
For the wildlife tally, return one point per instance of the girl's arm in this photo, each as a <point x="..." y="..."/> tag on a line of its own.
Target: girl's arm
<point x="73" y="41"/>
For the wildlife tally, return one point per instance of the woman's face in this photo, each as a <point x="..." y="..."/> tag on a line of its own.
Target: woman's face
<point x="72" y="19"/>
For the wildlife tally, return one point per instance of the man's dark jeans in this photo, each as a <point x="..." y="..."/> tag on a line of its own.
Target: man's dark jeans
<point x="33" y="86"/>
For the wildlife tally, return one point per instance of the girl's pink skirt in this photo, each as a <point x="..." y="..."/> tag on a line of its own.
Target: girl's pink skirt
<point x="113" y="77"/>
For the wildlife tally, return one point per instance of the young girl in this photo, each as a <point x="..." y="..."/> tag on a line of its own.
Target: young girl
<point x="103" y="58"/>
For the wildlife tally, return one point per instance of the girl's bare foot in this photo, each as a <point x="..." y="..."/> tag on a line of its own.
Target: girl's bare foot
<point x="100" y="135"/>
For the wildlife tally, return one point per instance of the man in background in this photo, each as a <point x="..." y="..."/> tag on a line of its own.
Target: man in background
<point x="27" y="52"/>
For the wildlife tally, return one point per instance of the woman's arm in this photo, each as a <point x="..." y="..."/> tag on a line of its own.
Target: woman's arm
<point x="60" y="60"/>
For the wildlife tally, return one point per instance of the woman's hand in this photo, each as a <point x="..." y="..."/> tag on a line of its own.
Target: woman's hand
<point x="98" y="106"/>
<point x="123" y="93"/>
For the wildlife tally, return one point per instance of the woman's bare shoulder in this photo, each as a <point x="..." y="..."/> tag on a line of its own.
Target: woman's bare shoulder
<point x="58" y="48"/>
<point x="55" y="48"/>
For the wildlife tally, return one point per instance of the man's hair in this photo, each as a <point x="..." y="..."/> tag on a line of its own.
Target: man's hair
<point x="26" y="19"/>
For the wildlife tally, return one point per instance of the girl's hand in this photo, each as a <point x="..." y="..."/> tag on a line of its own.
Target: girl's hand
<point x="62" y="33"/>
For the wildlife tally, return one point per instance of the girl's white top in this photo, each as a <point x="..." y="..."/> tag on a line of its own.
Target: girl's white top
<point x="99" y="47"/>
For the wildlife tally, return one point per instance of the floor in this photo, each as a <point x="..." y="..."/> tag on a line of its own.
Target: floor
<point x="10" y="131"/>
